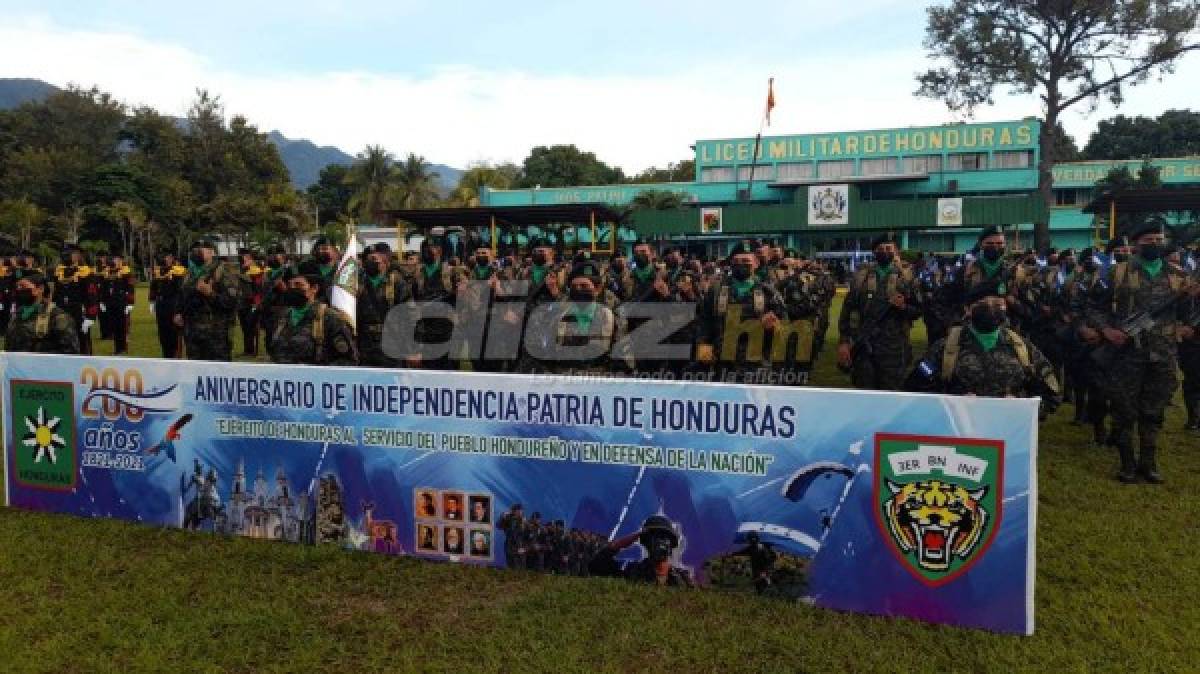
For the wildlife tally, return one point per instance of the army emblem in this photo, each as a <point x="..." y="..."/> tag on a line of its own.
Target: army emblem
<point x="938" y="501"/>
<point x="43" y="428"/>
<point x="827" y="205"/>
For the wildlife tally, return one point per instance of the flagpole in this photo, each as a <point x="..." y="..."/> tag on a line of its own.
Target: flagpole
<point x="758" y="140"/>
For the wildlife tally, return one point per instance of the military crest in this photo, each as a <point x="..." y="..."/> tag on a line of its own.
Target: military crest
<point x="828" y="205"/>
<point x="938" y="501"/>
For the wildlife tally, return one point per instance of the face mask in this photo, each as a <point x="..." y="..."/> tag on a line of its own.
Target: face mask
<point x="582" y="296"/>
<point x="324" y="257"/>
<point x="24" y="297"/>
<point x="274" y="264"/>
<point x="539" y="259"/>
<point x="741" y="272"/>
<point x="643" y="261"/>
<point x="986" y="319"/>
<point x="371" y="267"/>
<point x="672" y="263"/>
<point x="295" y="298"/>
<point x="1121" y="257"/>
<point x="196" y="258"/>
<point x="1150" y="251"/>
<point x="1089" y="265"/>
<point x="427" y="257"/>
<point x="992" y="254"/>
<point x="884" y="259"/>
<point x="659" y="547"/>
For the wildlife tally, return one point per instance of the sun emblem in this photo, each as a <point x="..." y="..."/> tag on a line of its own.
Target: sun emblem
<point x="43" y="437"/>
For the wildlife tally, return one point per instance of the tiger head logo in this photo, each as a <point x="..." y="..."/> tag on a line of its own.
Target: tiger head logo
<point x="937" y="520"/>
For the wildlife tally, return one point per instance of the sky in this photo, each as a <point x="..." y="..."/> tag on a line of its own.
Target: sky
<point x="463" y="82"/>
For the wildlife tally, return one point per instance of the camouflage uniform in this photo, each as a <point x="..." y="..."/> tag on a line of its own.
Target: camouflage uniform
<point x="802" y="298"/>
<point x="300" y="339"/>
<point x="41" y="328"/>
<point x="877" y="331"/>
<point x="376" y="297"/>
<point x="1142" y="378"/>
<point x="434" y="283"/>
<point x="997" y="373"/>
<point x="207" y="320"/>
<point x="731" y="311"/>
<point x="272" y="308"/>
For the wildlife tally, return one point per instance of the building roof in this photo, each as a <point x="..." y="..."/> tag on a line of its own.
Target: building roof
<point x="425" y="218"/>
<point x="1147" y="200"/>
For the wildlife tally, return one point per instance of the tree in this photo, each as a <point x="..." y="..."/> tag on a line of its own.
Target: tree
<point x="331" y="192"/>
<point x="371" y="177"/>
<point x="415" y="184"/>
<point x="681" y="172"/>
<point x="566" y="166"/>
<point x="1063" y="147"/>
<point x="467" y="193"/>
<point x="19" y="218"/>
<point x="1174" y="133"/>
<point x="1067" y="52"/>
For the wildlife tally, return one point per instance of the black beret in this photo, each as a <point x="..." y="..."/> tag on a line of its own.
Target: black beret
<point x="380" y="247"/>
<point x="586" y="269"/>
<point x="204" y="243"/>
<point x="993" y="230"/>
<point x="539" y="242"/>
<point x="882" y="239"/>
<point x="1116" y="243"/>
<point x="36" y="279"/>
<point x="276" y="249"/>
<point x="322" y="241"/>
<point x="1143" y="228"/>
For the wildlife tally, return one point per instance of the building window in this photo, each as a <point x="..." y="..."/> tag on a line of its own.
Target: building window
<point x="882" y="166"/>
<point x="832" y="170"/>
<point x="967" y="161"/>
<point x="927" y="164"/>
<point x="793" y="172"/>
<point x="717" y="174"/>
<point x="1066" y="197"/>
<point x="1012" y="160"/>
<point x="761" y="172"/>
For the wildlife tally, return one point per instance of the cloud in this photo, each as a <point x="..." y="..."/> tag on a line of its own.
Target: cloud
<point x="456" y="114"/>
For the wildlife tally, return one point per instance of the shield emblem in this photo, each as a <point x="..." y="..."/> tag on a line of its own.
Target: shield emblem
<point x="938" y="501"/>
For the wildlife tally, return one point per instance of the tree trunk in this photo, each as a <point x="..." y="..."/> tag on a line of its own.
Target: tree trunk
<point x="1046" y="145"/>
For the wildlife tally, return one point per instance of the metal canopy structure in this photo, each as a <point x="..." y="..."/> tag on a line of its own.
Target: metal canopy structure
<point x="493" y="218"/>
<point x="1156" y="200"/>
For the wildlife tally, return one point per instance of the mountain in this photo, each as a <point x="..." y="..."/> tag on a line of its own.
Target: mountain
<point x="14" y="92"/>
<point x="303" y="158"/>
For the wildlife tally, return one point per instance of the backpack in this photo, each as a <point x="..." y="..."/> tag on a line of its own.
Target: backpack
<point x="954" y="346"/>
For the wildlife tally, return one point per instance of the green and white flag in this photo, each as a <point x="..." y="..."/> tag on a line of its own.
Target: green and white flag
<point x="345" y="282"/>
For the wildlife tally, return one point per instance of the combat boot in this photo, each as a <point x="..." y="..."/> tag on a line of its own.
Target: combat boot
<point x="1129" y="467"/>
<point x="1148" y="467"/>
<point x="1193" y="415"/>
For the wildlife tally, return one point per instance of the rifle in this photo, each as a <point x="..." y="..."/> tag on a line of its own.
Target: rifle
<point x="1134" y="325"/>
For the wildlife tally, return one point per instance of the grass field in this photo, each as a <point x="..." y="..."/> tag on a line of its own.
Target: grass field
<point x="1118" y="589"/>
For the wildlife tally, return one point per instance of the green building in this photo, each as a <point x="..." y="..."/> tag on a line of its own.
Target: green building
<point x="936" y="187"/>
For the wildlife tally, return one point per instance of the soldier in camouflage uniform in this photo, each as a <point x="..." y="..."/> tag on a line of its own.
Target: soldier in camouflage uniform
<point x="380" y="289"/>
<point x="208" y="299"/>
<point x="311" y="332"/>
<point x="877" y="316"/>
<point x="433" y="282"/>
<point x="325" y="254"/>
<point x="512" y="523"/>
<point x="800" y="290"/>
<point x="272" y="307"/>
<point x="735" y="316"/>
<point x="573" y="336"/>
<point x="1142" y="379"/>
<point x="991" y="274"/>
<point x="36" y="325"/>
<point x="986" y="357"/>
<point x="1189" y="362"/>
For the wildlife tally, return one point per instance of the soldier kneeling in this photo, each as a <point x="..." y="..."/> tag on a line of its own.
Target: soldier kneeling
<point x="36" y="325"/>
<point x="985" y="357"/>
<point x="311" y="332"/>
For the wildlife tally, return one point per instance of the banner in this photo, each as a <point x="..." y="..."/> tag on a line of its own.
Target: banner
<point x="828" y="204"/>
<point x="887" y="503"/>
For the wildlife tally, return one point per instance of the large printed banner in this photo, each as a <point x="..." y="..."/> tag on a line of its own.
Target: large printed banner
<point x="893" y="504"/>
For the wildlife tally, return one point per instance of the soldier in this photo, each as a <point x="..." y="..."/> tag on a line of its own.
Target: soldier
<point x="801" y="292"/>
<point x="735" y="316"/>
<point x="876" y="320"/>
<point x="36" y="325"/>
<point x="311" y="332"/>
<point x="986" y="357"/>
<point x="1069" y="318"/>
<point x="574" y="335"/>
<point x="77" y="291"/>
<point x="512" y="523"/>
<point x="381" y="288"/>
<point x="477" y="289"/>
<point x="1189" y="364"/>
<point x="272" y="306"/>
<point x="6" y="289"/>
<point x="936" y="313"/>
<point x="326" y="256"/>
<point x="117" y="293"/>
<point x="1141" y="378"/>
<point x="990" y="274"/>
<point x="659" y="539"/>
<point x="762" y="561"/>
<point x="250" y="294"/>
<point x="650" y="295"/>
<point x="207" y="304"/>
<point x="165" y="287"/>
<point x="432" y="282"/>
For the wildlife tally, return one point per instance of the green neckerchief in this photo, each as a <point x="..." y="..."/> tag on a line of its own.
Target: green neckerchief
<point x="430" y="269"/>
<point x="1152" y="269"/>
<point x="987" y="340"/>
<point x="297" y="315"/>
<point x="195" y="270"/>
<point x="482" y="271"/>
<point x="538" y="272"/>
<point x="584" y="315"/>
<point x="990" y="268"/>
<point x="643" y="275"/>
<point x="740" y="288"/>
<point x="326" y="270"/>
<point x="375" y="280"/>
<point x="762" y="272"/>
<point x="28" y="311"/>
<point x="273" y="274"/>
<point x="881" y="271"/>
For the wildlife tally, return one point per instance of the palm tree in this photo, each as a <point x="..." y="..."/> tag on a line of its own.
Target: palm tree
<point x="416" y="184"/>
<point x="373" y="177"/>
<point x="472" y="182"/>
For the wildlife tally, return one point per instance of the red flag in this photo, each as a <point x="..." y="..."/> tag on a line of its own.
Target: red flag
<point x="770" y="98"/>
